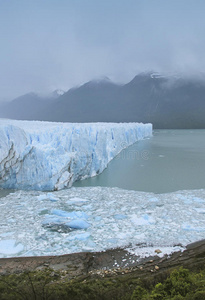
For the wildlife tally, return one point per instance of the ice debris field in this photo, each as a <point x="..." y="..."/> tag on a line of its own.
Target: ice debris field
<point x="42" y="156"/>
<point x="98" y="218"/>
<point x="50" y="156"/>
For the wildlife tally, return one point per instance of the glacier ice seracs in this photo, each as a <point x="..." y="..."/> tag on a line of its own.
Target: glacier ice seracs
<point x="49" y="156"/>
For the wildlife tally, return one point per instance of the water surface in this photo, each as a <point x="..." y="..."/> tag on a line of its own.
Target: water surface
<point x="4" y="193"/>
<point x="169" y="161"/>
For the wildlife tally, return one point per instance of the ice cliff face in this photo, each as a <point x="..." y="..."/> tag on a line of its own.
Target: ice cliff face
<point x="50" y="156"/>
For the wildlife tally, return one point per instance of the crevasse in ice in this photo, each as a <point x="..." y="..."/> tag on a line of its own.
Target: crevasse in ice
<point x="50" y="156"/>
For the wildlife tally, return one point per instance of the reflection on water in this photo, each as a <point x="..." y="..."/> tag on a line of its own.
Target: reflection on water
<point x="171" y="160"/>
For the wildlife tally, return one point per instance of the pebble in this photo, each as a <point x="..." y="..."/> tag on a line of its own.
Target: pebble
<point x="158" y="251"/>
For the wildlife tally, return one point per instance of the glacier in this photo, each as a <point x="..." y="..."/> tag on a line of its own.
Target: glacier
<point x="50" y="156"/>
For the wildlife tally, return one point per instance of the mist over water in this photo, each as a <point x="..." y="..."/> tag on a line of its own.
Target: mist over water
<point x="171" y="160"/>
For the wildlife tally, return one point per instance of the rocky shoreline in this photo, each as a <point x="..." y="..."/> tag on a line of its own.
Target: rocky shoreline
<point x="108" y="263"/>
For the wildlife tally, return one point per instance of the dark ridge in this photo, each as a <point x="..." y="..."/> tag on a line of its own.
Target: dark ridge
<point x="166" y="102"/>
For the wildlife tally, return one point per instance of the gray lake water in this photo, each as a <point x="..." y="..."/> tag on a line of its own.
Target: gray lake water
<point x="169" y="161"/>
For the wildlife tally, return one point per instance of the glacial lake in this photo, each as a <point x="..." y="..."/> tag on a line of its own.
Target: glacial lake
<point x="171" y="160"/>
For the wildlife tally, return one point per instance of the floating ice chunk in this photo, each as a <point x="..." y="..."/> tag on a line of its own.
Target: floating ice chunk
<point x="189" y="227"/>
<point x="185" y="199"/>
<point x="61" y="213"/>
<point x="198" y="200"/>
<point x="76" y="200"/>
<point x="56" y="224"/>
<point x="90" y="246"/>
<point x="140" y="237"/>
<point x="113" y="241"/>
<point x="5" y="234"/>
<point x="61" y="223"/>
<point x="152" y="203"/>
<point x="80" y="214"/>
<point x="180" y="196"/>
<point x="52" y="197"/>
<point x="120" y="217"/>
<point x="153" y="199"/>
<point x="72" y="215"/>
<point x="200" y="210"/>
<point x="42" y="197"/>
<point x="80" y="237"/>
<point x="50" y="219"/>
<point x="144" y="220"/>
<point x="49" y="196"/>
<point x="9" y="247"/>
<point x="78" y="224"/>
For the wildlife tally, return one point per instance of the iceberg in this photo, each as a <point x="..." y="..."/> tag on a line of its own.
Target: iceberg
<point x="10" y="247"/>
<point x="78" y="224"/>
<point x="50" y="156"/>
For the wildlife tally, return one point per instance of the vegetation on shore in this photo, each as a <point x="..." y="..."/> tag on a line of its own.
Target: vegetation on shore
<point x="51" y="285"/>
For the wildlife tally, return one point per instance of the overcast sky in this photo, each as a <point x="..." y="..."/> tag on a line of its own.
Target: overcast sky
<point x="49" y="44"/>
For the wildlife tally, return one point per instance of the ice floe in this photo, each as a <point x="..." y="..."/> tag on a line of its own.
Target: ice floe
<point x="99" y="218"/>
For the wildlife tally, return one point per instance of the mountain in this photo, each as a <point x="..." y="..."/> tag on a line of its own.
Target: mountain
<point x="28" y="106"/>
<point x="87" y="103"/>
<point x="165" y="101"/>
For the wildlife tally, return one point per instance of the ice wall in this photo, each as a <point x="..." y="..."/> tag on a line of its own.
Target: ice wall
<point x="50" y="156"/>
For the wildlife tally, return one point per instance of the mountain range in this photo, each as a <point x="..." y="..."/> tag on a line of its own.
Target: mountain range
<point x="165" y="101"/>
